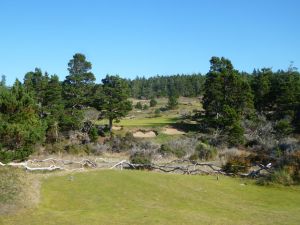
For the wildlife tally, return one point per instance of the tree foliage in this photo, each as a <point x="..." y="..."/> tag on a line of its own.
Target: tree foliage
<point x="112" y="99"/>
<point x="77" y="86"/>
<point x="20" y="126"/>
<point x="227" y="98"/>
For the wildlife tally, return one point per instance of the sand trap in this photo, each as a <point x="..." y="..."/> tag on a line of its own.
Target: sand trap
<point x="172" y="131"/>
<point x="117" y="128"/>
<point x="144" y="134"/>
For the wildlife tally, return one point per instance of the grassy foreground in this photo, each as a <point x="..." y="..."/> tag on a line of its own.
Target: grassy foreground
<point x="135" y="197"/>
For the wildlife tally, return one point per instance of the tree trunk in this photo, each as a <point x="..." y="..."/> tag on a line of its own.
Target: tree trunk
<point x="110" y="125"/>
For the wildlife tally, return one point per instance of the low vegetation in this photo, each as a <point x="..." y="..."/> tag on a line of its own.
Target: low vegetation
<point x="130" y="197"/>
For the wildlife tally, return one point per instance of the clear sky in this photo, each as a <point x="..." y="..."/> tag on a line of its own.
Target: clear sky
<point x="147" y="37"/>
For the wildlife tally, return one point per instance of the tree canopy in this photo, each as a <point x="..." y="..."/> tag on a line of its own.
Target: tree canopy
<point x="112" y="99"/>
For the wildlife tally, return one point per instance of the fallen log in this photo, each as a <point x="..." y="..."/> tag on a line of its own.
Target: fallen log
<point x="83" y="163"/>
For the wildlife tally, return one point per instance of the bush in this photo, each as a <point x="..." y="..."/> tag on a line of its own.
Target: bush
<point x="281" y="176"/>
<point x="17" y="154"/>
<point x="283" y="128"/>
<point x="236" y="164"/>
<point x="291" y="164"/>
<point x="205" y="152"/>
<point x="172" y="102"/>
<point x="121" y="144"/>
<point x="141" y="158"/>
<point x="93" y="134"/>
<point x="76" y="149"/>
<point x="153" y="102"/>
<point x="145" y="107"/>
<point x="167" y="150"/>
<point x="157" y="113"/>
<point x="139" y="105"/>
<point x="55" y="148"/>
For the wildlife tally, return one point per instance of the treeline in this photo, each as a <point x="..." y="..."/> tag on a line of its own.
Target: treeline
<point x="162" y="86"/>
<point x="232" y="98"/>
<point x="42" y="108"/>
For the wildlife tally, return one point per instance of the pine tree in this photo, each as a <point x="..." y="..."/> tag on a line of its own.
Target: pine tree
<point x="77" y="87"/>
<point x="20" y="126"/>
<point x="112" y="99"/>
<point x="227" y="98"/>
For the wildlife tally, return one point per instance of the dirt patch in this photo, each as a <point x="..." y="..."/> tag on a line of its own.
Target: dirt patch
<point x="172" y="131"/>
<point x="144" y="134"/>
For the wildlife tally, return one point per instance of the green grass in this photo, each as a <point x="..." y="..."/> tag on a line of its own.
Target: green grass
<point x="145" y="118"/>
<point x="135" y="197"/>
<point x="148" y="122"/>
<point x="144" y="122"/>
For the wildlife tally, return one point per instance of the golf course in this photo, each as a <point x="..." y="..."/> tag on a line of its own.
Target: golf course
<point x="139" y="197"/>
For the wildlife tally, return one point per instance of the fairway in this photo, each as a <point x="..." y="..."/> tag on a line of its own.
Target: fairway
<point x="143" y="122"/>
<point x="135" y="197"/>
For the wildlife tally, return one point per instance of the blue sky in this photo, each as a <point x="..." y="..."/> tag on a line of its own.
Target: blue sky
<point x="147" y="37"/>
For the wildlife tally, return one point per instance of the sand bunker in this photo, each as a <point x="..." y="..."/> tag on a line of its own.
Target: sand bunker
<point x="144" y="134"/>
<point x="117" y="127"/>
<point x="172" y="131"/>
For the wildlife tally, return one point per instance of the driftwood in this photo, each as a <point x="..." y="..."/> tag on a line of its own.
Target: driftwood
<point x="167" y="168"/>
<point x="177" y="166"/>
<point x="25" y="165"/>
<point x="83" y="163"/>
<point x="191" y="168"/>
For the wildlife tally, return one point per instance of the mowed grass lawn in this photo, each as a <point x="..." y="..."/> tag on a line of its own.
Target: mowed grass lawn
<point x="136" y="197"/>
<point x="143" y="122"/>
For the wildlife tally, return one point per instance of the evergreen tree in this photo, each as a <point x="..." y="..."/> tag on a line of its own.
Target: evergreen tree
<point x="112" y="99"/>
<point x="20" y="126"/>
<point x="227" y="97"/>
<point x="54" y="108"/>
<point x="172" y="102"/>
<point x="77" y="87"/>
<point x="261" y="86"/>
<point x="35" y="83"/>
<point x="3" y="80"/>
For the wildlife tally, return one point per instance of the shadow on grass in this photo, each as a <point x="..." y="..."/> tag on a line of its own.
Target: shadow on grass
<point x="186" y="127"/>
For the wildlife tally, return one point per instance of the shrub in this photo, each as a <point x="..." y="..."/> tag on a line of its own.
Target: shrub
<point x="236" y="164"/>
<point x="99" y="149"/>
<point x="167" y="150"/>
<point x="139" y="105"/>
<point x="157" y="113"/>
<point x="205" y="152"/>
<point x="172" y="102"/>
<point x="280" y="176"/>
<point x="93" y="134"/>
<point x="145" y="107"/>
<point x="18" y="154"/>
<point x="76" y="149"/>
<point x="55" y="148"/>
<point x="121" y="144"/>
<point x="141" y="158"/>
<point x="291" y="164"/>
<point x="153" y="102"/>
<point x="283" y="128"/>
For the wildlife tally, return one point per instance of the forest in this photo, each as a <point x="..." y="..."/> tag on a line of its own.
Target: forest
<point x="258" y="113"/>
